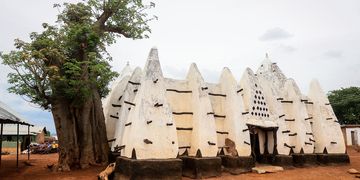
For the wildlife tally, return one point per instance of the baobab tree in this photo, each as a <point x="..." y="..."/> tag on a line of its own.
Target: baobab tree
<point x="65" y="69"/>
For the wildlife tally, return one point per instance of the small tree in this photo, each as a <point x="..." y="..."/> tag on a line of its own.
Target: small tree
<point x="346" y="104"/>
<point x="65" y="69"/>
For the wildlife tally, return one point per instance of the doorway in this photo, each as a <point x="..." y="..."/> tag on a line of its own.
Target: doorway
<point x="354" y="138"/>
<point x="255" y="147"/>
<point x="263" y="142"/>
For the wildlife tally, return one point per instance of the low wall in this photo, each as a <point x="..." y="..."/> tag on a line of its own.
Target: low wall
<point x="10" y="147"/>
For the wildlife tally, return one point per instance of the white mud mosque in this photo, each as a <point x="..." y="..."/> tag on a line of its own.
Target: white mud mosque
<point x="169" y="128"/>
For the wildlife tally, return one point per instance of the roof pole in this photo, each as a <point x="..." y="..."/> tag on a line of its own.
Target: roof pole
<point x="1" y="138"/>
<point x="29" y="142"/>
<point x="17" y="147"/>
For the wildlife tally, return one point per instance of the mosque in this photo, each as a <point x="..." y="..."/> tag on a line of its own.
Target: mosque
<point x="169" y="128"/>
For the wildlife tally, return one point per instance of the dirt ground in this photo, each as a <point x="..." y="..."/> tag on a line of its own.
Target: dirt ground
<point x="312" y="173"/>
<point x="40" y="171"/>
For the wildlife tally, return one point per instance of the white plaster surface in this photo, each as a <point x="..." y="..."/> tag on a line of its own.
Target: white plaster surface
<point x="196" y="115"/>
<point x="256" y="105"/>
<point x="128" y="95"/>
<point x="204" y="130"/>
<point x="231" y="107"/>
<point x="297" y="111"/>
<point x="273" y="80"/>
<point x="325" y="127"/>
<point x="181" y="102"/>
<point x="161" y="131"/>
<point x="117" y="89"/>
<point x="348" y="131"/>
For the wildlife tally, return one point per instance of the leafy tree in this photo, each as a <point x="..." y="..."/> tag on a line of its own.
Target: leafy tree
<point x="65" y="70"/>
<point x="346" y="104"/>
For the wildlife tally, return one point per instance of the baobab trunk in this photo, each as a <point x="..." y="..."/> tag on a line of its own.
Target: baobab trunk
<point x="81" y="133"/>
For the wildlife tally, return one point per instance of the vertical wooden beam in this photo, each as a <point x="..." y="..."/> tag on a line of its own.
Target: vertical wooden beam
<point x="1" y="139"/>
<point x="252" y="140"/>
<point x="275" y="141"/>
<point x="17" y="147"/>
<point x="29" y="142"/>
<point x="266" y="149"/>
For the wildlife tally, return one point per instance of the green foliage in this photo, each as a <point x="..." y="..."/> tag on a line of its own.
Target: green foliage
<point x="346" y="104"/>
<point x="69" y="60"/>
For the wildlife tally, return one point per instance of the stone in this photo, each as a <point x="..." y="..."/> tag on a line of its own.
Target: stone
<point x="230" y="147"/>
<point x="104" y="175"/>
<point x="267" y="169"/>
<point x="353" y="171"/>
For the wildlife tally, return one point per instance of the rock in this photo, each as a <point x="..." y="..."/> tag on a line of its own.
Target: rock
<point x="103" y="175"/>
<point x="259" y="171"/>
<point x="230" y="147"/>
<point x="267" y="169"/>
<point x="353" y="171"/>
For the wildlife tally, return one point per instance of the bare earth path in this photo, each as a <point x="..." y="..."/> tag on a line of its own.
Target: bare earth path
<point x="315" y="173"/>
<point x="40" y="171"/>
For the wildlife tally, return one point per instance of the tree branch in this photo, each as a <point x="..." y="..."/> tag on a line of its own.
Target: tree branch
<point x="117" y="30"/>
<point x="108" y="12"/>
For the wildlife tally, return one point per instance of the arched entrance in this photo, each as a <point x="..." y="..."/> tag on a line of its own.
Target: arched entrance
<point x="263" y="143"/>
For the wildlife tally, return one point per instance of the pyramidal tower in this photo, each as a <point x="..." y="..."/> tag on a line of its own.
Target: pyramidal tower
<point x="233" y="128"/>
<point x="328" y="139"/>
<point x="297" y="115"/>
<point x="203" y="137"/>
<point x="151" y="115"/>
<point x="131" y="85"/>
<point x="168" y="128"/>
<point x="149" y="137"/>
<point x="300" y="134"/>
<point x="273" y="81"/>
<point x="111" y="103"/>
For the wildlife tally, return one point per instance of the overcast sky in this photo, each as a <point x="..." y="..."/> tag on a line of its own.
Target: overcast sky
<point x="308" y="39"/>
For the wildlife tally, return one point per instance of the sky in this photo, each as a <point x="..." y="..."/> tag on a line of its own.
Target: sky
<point x="307" y="39"/>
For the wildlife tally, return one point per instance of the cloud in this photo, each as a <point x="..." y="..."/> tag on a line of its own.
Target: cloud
<point x="174" y="72"/>
<point x="287" y="48"/>
<point x="275" y="34"/>
<point x="333" y="54"/>
<point x="211" y="76"/>
<point x="31" y="112"/>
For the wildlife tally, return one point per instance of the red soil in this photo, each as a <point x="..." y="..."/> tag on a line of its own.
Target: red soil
<point x="39" y="170"/>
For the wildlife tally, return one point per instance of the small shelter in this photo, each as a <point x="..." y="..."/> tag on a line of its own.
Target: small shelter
<point x="36" y="135"/>
<point x="8" y="116"/>
<point x="351" y="134"/>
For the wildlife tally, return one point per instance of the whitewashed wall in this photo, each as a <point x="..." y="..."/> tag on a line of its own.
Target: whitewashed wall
<point x="348" y="135"/>
<point x="160" y="117"/>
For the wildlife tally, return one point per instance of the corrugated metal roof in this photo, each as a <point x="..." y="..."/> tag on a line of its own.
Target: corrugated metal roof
<point x="6" y="113"/>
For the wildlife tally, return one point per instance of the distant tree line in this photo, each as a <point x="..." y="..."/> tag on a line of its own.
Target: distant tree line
<point x="346" y="104"/>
